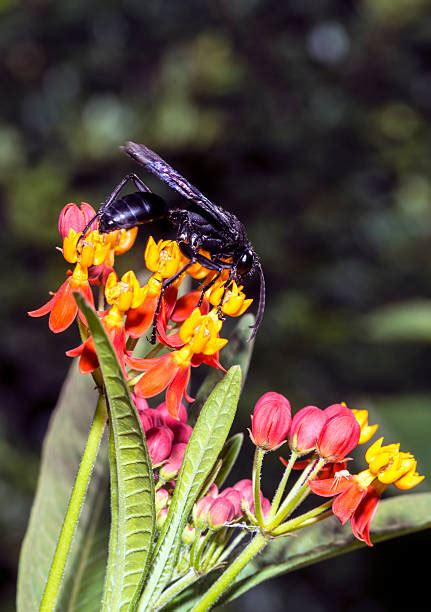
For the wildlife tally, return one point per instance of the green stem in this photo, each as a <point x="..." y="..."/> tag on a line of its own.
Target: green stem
<point x="257" y="470"/>
<point x="296" y="494"/>
<point x="282" y="486"/>
<point x="176" y="588"/>
<point x="229" y="575"/>
<point x="300" y="521"/>
<point x="74" y="508"/>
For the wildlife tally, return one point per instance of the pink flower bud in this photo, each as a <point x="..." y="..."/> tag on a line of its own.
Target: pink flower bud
<point x="76" y="218"/>
<point x="270" y="421"/>
<point x="200" y="511"/>
<point x="159" y="442"/>
<point x="140" y="403"/>
<point x="340" y="434"/>
<point x="245" y="487"/>
<point x="162" y="499"/>
<point x="181" y="431"/>
<point x="163" y="410"/>
<point x="305" y="430"/>
<point x="150" y="419"/>
<point x="266" y="506"/>
<point x="222" y="511"/>
<point x="212" y="491"/>
<point x="235" y="497"/>
<point x="173" y="465"/>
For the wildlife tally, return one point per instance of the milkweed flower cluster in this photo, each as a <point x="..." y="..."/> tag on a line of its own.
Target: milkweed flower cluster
<point x="188" y="327"/>
<point x="327" y="437"/>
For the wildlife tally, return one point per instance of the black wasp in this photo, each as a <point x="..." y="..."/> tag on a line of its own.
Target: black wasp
<point x="200" y="224"/>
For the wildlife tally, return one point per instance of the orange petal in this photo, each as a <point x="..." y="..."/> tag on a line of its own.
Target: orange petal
<point x="157" y="378"/>
<point x="327" y="487"/>
<point x="43" y="310"/>
<point x="64" y="308"/>
<point x="364" y="514"/>
<point x="185" y="306"/>
<point x="175" y="391"/>
<point x="346" y="503"/>
<point x="139" y="319"/>
<point x="141" y="364"/>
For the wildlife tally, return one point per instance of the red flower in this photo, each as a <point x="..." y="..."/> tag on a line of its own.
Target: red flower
<point x="339" y="434"/>
<point x="270" y="421"/>
<point x="356" y="500"/>
<point x="159" y="374"/>
<point x="62" y="306"/>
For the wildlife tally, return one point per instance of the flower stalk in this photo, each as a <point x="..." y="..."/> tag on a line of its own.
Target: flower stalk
<point x="227" y="578"/>
<point x="76" y="502"/>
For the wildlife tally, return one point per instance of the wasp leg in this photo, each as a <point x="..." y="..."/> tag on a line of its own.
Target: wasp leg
<point x="204" y="289"/>
<point x="139" y="184"/>
<point x="193" y="253"/>
<point x="166" y="283"/>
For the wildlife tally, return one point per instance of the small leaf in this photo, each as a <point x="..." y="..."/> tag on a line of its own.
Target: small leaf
<point x="228" y="457"/>
<point x="202" y="451"/>
<point x="62" y="450"/>
<point x="132" y="527"/>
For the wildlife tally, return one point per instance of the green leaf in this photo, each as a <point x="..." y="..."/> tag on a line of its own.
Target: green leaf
<point x="62" y="450"/>
<point x="395" y="517"/>
<point x="133" y="520"/>
<point x="228" y="457"/>
<point x="205" y="444"/>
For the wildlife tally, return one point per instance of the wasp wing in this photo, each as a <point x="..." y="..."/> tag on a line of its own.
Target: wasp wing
<point x="156" y="165"/>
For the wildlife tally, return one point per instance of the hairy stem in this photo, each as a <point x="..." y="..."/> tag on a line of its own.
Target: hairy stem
<point x="257" y="470"/>
<point x="227" y="578"/>
<point x="177" y="587"/>
<point x="74" y="508"/>
<point x="282" y="486"/>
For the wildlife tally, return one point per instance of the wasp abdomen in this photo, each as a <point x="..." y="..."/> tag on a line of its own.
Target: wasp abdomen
<point x="131" y="210"/>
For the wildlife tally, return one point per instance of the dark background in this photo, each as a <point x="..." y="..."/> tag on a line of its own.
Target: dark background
<point x="308" y="119"/>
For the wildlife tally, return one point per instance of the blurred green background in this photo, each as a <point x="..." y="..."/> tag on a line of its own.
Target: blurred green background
<point x="308" y="119"/>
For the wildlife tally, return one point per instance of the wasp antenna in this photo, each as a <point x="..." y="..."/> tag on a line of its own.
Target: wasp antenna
<point x="261" y="307"/>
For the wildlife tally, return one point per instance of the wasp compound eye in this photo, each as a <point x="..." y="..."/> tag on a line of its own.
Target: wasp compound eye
<point x="245" y="262"/>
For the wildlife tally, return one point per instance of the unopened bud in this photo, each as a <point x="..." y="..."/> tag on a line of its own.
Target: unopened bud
<point x="188" y="535"/>
<point x="305" y="430"/>
<point x="340" y="433"/>
<point x="162" y="499"/>
<point x="76" y="217"/>
<point x="221" y="512"/>
<point x="159" y="442"/>
<point x="173" y="465"/>
<point x="270" y="421"/>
